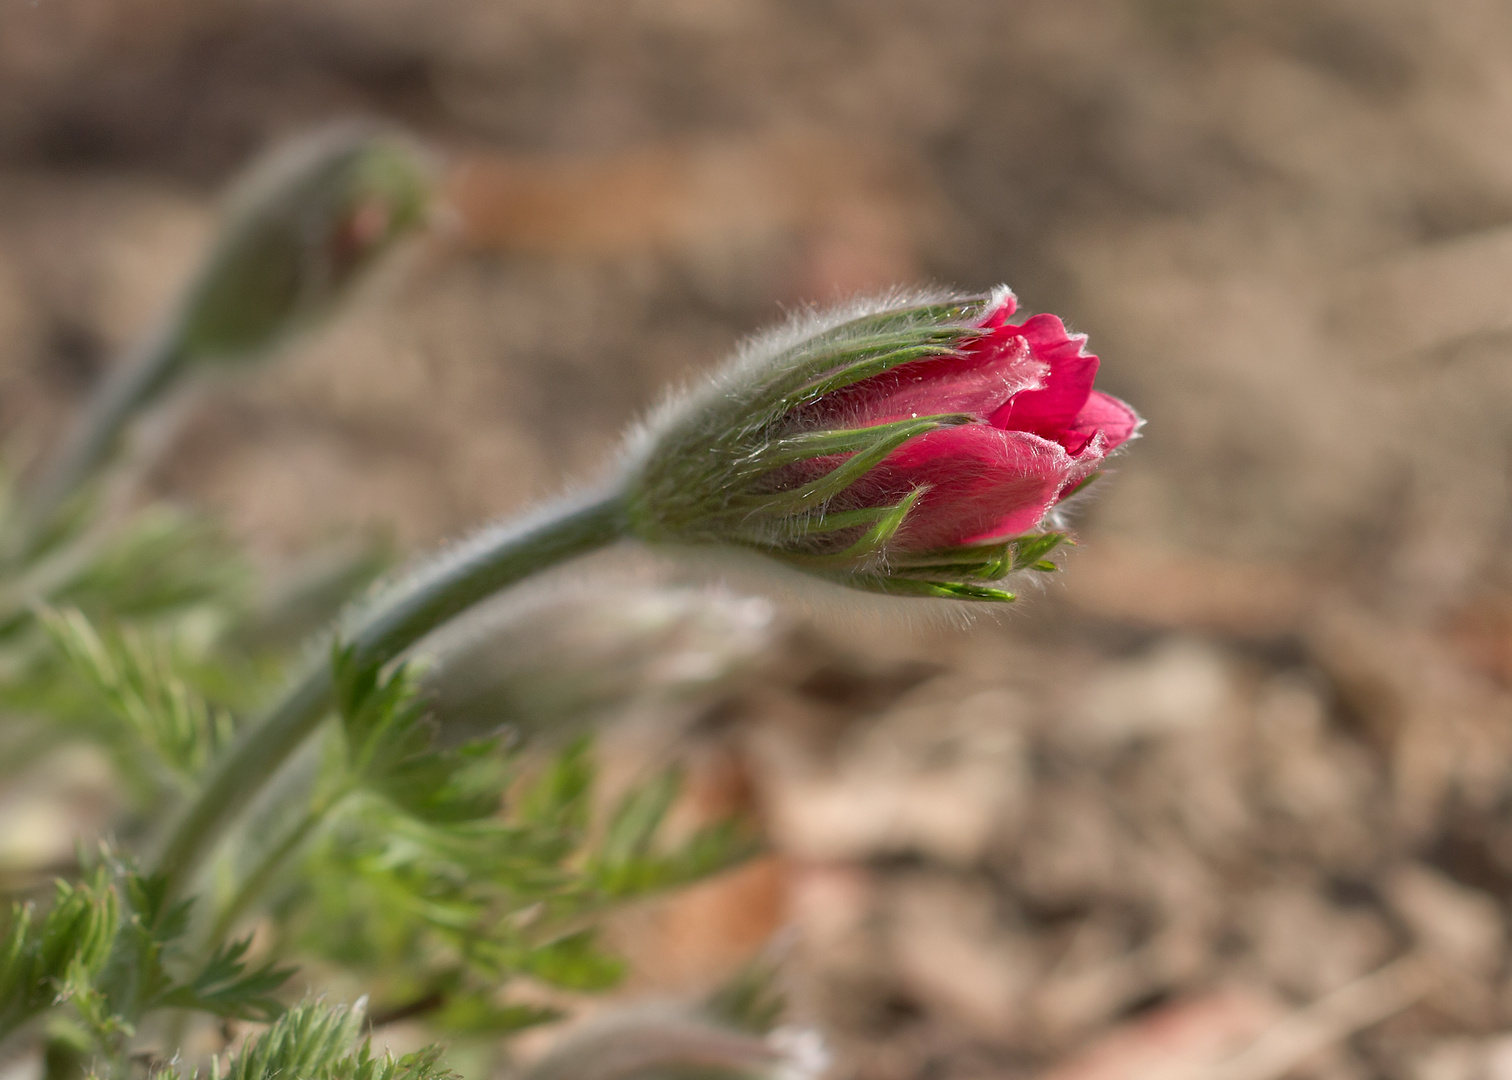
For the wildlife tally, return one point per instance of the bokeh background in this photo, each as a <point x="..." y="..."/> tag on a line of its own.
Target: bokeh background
<point x="1231" y="798"/>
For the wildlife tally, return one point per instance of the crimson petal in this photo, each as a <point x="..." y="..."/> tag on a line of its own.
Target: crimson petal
<point x="1052" y="411"/>
<point x="984" y="484"/>
<point x="1106" y="415"/>
<point x="990" y="373"/>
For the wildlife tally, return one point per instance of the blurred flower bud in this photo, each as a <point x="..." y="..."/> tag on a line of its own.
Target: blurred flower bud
<point x="299" y="231"/>
<point x="913" y="446"/>
<point x="559" y="660"/>
<point x="651" y="1044"/>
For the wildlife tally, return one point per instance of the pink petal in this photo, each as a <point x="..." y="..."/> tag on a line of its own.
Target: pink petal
<point x="1053" y="410"/>
<point x="1104" y="414"/>
<point x="984" y="484"/>
<point x="978" y="383"/>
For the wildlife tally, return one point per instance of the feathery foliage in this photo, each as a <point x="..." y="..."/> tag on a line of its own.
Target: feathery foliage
<point x="446" y="872"/>
<point x="316" y="1041"/>
<point x="136" y="676"/>
<point x="104" y="954"/>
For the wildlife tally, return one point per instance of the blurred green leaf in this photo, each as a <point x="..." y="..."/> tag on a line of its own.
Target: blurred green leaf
<point x="315" y="1041"/>
<point x="44" y="960"/>
<point x="137" y="678"/>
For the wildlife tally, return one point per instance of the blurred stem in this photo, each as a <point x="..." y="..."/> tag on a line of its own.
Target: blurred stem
<point x="131" y="384"/>
<point x="253" y="885"/>
<point x="50" y="575"/>
<point x="445" y="588"/>
<point x="61" y="565"/>
<point x="262" y="874"/>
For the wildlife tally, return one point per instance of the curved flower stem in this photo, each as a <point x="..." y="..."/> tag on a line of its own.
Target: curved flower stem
<point x="134" y="382"/>
<point x="53" y="572"/>
<point x="267" y="868"/>
<point x="44" y="574"/>
<point x="497" y="558"/>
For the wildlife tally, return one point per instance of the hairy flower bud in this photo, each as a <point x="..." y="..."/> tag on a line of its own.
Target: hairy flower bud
<point x="299" y="230"/>
<point x="913" y="446"/>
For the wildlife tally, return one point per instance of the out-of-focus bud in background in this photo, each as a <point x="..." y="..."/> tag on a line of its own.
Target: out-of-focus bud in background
<point x="558" y="661"/>
<point x="646" y="1044"/>
<point x="298" y="232"/>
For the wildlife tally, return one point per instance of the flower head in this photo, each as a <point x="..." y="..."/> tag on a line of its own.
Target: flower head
<point x="912" y="446"/>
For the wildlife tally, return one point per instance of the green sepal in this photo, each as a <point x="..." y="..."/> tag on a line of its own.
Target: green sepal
<point x="869" y="367"/>
<point x="990" y="570"/>
<point x="885" y="522"/>
<point x="838" y="520"/>
<point x="1080" y="485"/>
<point x="883" y="340"/>
<point x="884" y="530"/>
<point x="816" y="492"/>
<point x="985" y="562"/>
<point x="947" y="590"/>
<point x="1031" y="550"/>
<point x="988" y="562"/>
<point x="812" y="444"/>
<point x="930" y="314"/>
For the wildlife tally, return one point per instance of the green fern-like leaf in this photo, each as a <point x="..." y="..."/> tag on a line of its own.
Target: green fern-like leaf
<point x="316" y="1041"/>
<point x="163" y="562"/>
<point x="629" y="862"/>
<point x="224" y="987"/>
<point x="43" y="961"/>
<point x="135" y="675"/>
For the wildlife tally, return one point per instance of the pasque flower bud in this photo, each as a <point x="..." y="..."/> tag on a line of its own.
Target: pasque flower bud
<point x="297" y="233"/>
<point x="914" y="446"/>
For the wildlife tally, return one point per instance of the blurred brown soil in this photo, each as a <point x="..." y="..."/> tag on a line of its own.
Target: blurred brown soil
<point x="1231" y="799"/>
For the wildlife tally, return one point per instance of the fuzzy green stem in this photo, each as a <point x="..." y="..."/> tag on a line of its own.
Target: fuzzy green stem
<point x="442" y="590"/>
<point x="258" y="879"/>
<point x="132" y="384"/>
